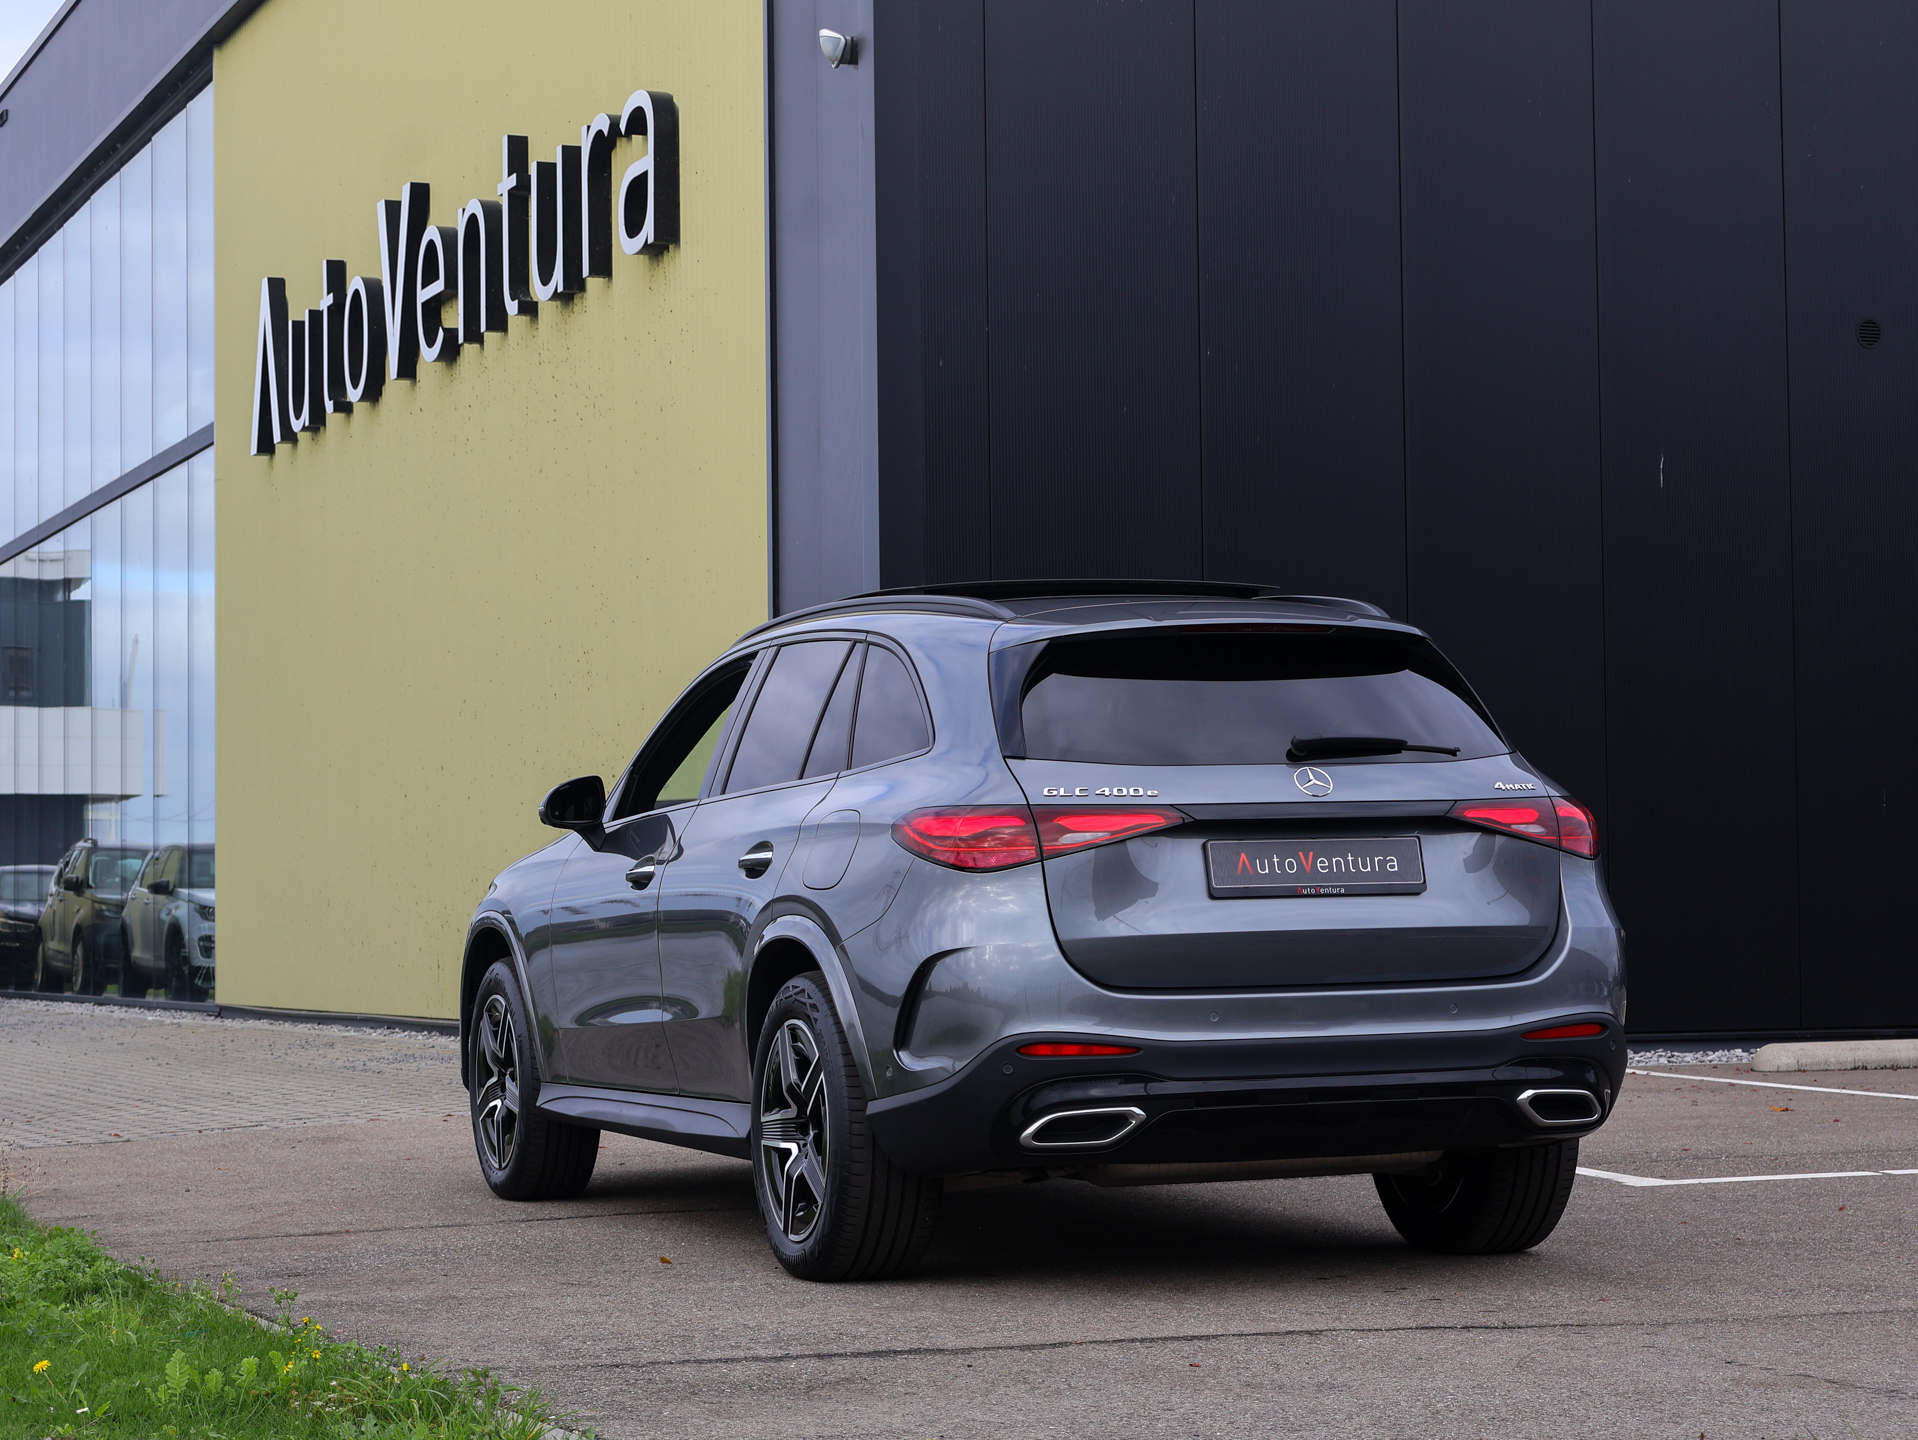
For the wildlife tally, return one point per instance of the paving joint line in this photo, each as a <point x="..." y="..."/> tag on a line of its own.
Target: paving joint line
<point x="1771" y="1084"/>
<point x="475" y="1224"/>
<point x="909" y="1352"/>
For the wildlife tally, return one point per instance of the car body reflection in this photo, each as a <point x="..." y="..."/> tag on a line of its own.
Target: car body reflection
<point x="79" y="947"/>
<point x="167" y="928"/>
<point x="23" y="896"/>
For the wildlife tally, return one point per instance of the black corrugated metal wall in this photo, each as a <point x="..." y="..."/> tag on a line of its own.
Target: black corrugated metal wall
<point x="1535" y="321"/>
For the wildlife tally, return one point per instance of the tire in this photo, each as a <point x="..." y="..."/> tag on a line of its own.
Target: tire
<point x="180" y="984"/>
<point x="835" y="1207"/>
<point x="1493" y="1204"/>
<point x="45" y="982"/>
<point x="85" y="977"/>
<point x="524" y="1154"/>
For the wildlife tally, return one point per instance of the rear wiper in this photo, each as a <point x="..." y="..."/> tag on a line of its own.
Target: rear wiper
<point x="1324" y="747"/>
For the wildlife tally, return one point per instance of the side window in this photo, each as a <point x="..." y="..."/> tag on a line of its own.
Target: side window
<point x="149" y="871"/>
<point x="673" y="763"/>
<point x="170" y="866"/>
<point x="890" y="720"/>
<point x="786" y="714"/>
<point x="829" y="746"/>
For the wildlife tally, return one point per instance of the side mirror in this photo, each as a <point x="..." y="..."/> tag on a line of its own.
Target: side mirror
<point x="578" y="805"/>
<point x="76" y="882"/>
<point x="160" y="887"/>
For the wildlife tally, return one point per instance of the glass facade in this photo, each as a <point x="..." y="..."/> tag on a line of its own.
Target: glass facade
<point x="106" y="332"/>
<point x="106" y="628"/>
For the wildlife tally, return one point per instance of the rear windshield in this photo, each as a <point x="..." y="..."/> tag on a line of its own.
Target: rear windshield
<point x="1241" y="698"/>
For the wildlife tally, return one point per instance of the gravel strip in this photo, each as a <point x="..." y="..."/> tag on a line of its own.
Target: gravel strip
<point x="1691" y="1057"/>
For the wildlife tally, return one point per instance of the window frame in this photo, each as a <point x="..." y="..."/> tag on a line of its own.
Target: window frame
<point x="925" y="709"/>
<point x="614" y="814"/>
<point x="716" y="780"/>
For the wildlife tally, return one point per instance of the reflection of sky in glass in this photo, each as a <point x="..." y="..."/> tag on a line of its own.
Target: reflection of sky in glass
<point x="149" y="562"/>
<point x="106" y="333"/>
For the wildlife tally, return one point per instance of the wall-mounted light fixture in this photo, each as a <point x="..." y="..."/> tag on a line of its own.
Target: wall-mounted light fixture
<point x="839" y="49"/>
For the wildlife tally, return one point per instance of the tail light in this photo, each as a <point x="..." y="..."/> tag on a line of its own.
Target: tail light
<point x="1056" y="1049"/>
<point x="997" y="837"/>
<point x="1064" y="828"/>
<point x="970" y="837"/>
<point x="1551" y="820"/>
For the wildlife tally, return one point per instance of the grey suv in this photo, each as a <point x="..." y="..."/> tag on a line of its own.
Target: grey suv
<point x="1129" y="883"/>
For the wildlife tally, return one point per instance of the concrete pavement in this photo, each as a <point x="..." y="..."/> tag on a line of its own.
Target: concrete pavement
<point x="1775" y="1308"/>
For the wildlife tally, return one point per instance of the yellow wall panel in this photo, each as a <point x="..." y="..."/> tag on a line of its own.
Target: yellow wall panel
<point x="497" y="576"/>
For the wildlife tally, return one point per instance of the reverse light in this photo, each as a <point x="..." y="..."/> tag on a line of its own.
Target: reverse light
<point x="1565" y="1032"/>
<point x="970" y="837"/>
<point x="1558" y="821"/>
<point x="1056" y="1049"/>
<point x="1064" y="828"/>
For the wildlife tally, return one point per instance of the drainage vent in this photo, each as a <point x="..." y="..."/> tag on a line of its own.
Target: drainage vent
<point x="1870" y="332"/>
<point x="1077" y="1129"/>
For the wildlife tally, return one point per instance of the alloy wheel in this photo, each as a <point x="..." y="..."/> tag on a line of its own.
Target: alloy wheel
<point x="793" y="1138"/>
<point x="496" y="1051"/>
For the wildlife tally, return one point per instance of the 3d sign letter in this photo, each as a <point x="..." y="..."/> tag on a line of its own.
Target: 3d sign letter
<point x="436" y="276"/>
<point x="272" y="424"/>
<point x="649" y="193"/>
<point x="550" y="228"/>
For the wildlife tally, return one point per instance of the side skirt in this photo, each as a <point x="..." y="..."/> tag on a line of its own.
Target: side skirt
<point x="719" y="1126"/>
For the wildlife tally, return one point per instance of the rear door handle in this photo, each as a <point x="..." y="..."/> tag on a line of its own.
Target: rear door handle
<point x="758" y="860"/>
<point x="644" y="868"/>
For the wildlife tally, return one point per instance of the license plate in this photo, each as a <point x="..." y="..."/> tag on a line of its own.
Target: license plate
<point x="1280" y="869"/>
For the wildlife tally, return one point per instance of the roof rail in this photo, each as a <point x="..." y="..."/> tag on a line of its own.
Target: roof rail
<point x="977" y="597"/>
<point x="1048" y="589"/>
<point x="905" y="600"/>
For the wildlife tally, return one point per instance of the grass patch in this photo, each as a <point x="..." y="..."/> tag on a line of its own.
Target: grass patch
<point x="89" y="1346"/>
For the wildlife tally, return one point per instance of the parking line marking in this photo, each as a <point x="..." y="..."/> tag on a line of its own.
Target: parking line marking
<point x="1738" y="1179"/>
<point x="1773" y="1085"/>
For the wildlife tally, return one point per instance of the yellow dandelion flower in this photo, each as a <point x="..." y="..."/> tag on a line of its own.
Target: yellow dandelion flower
<point x="403" y="1365"/>
<point x="18" y="1253"/>
<point x="316" y="1354"/>
<point x="289" y="1366"/>
<point x="42" y="1367"/>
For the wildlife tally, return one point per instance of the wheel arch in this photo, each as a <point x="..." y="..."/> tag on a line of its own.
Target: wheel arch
<point x="791" y="945"/>
<point x="487" y="943"/>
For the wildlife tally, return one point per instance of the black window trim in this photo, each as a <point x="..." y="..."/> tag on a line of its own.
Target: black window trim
<point x="748" y="688"/>
<point x="925" y="708"/>
<point x="715" y="780"/>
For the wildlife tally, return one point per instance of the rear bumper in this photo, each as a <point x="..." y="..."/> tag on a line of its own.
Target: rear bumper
<point x="1209" y="1102"/>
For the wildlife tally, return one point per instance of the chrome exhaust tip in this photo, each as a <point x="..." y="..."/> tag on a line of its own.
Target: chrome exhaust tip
<point x="1080" y="1129"/>
<point x="1560" y="1107"/>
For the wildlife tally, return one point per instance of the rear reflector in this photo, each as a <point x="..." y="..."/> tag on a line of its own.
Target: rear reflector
<point x="970" y="837"/>
<point x="1565" y="1032"/>
<point x="1063" y="828"/>
<point x="1558" y="821"/>
<point x="1049" y="1049"/>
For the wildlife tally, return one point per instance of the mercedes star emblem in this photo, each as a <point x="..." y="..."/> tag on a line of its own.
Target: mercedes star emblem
<point x="1312" y="780"/>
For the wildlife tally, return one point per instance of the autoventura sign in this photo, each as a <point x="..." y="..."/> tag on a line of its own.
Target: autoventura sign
<point x="551" y="227"/>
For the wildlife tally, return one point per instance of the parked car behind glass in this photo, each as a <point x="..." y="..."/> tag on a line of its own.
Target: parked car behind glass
<point x="23" y="895"/>
<point x="80" y="928"/>
<point x="167" y="931"/>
